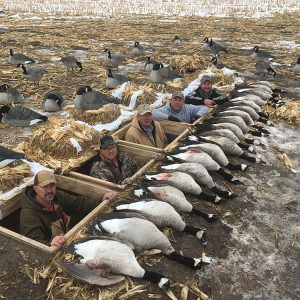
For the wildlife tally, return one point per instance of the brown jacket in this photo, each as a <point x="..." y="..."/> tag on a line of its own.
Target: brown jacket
<point x="136" y="134"/>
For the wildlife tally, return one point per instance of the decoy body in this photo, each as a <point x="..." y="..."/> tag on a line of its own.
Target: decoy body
<point x="261" y="55"/>
<point x="33" y="74"/>
<point x="9" y="94"/>
<point x="8" y="156"/>
<point x="19" y="59"/>
<point x="53" y="101"/>
<point x="138" y="49"/>
<point x="71" y="62"/>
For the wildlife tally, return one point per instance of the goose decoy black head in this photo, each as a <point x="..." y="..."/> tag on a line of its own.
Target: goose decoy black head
<point x="83" y="90"/>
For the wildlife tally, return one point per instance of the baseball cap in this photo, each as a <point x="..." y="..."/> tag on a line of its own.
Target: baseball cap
<point x="206" y="78"/>
<point x="106" y="141"/>
<point x="178" y="95"/>
<point x="44" y="178"/>
<point x="143" y="109"/>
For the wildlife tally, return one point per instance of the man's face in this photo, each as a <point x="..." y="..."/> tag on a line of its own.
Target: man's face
<point x="45" y="193"/>
<point x="206" y="85"/>
<point x="145" y="120"/>
<point x="176" y="104"/>
<point x="110" y="152"/>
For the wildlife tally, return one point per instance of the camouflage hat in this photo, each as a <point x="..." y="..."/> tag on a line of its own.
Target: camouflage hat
<point x="44" y="178"/>
<point x="143" y="109"/>
<point x="106" y="141"/>
<point x="206" y="78"/>
<point x="178" y="95"/>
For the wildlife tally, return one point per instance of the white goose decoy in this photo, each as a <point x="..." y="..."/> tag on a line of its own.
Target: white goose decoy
<point x="157" y="190"/>
<point x="53" y="101"/>
<point x="184" y="182"/>
<point x="161" y="74"/>
<point x="261" y="55"/>
<point x="143" y="235"/>
<point x="20" y="116"/>
<point x="264" y="67"/>
<point x="138" y="49"/>
<point x="8" y="156"/>
<point x="114" y="59"/>
<point x="71" y="62"/>
<point x="104" y="262"/>
<point x="87" y="99"/>
<point x="115" y="79"/>
<point x="9" y="94"/>
<point x="177" y="41"/>
<point x="19" y="59"/>
<point x="296" y="66"/>
<point x="33" y="74"/>
<point x="162" y="214"/>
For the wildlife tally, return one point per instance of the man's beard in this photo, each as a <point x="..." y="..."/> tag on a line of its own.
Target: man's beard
<point x="49" y="197"/>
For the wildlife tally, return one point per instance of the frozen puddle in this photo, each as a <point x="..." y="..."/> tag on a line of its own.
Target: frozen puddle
<point x="263" y="259"/>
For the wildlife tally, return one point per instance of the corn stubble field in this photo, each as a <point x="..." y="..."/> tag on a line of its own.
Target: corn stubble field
<point x="255" y="254"/>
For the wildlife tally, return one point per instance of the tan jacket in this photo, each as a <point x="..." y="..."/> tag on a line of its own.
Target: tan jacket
<point x="136" y="134"/>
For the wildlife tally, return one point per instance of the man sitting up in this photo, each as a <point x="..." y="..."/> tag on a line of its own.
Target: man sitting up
<point x="205" y="94"/>
<point x="176" y="110"/>
<point x="113" y="166"/>
<point x="144" y="130"/>
<point x="45" y="212"/>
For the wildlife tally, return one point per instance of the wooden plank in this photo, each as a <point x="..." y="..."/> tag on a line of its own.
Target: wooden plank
<point x="174" y="144"/>
<point x="174" y="127"/>
<point x="10" y="205"/>
<point x="140" y="146"/>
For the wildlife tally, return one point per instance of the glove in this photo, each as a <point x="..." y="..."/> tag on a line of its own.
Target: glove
<point x="174" y="119"/>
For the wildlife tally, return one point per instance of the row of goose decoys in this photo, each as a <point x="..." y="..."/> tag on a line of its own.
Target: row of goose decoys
<point x="108" y="253"/>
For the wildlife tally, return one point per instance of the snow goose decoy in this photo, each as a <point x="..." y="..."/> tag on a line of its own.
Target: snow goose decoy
<point x="19" y="59"/>
<point x="20" y="116"/>
<point x="138" y="49"/>
<point x="9" y="94"/>
<point x="162" y="214"/>
<point x="71" y="62"/>
<point x="261" y="55"/>
<point x="8" y="156"/>
<point x="177" y="41"/>
<point x="163" y="191"/>
<point x="296" y="66"/>
<point x="53" y="101"/>
<point x="264" y="67"/>
<point x="115" y="59"/>
<point x="87" y="99"/>
<point x="104" y="260"/>
<point x="183" y="182"/>
<point x="161" y="74"/>
<point x="33" y="74"/>
<point x="115" y="79"/>
<point x="143" y="235"/>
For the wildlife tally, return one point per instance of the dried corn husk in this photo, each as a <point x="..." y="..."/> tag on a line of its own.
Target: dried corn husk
<point x="187" y="63"/>
<point x="107" y="114"/>
<point x="11" y="177"/>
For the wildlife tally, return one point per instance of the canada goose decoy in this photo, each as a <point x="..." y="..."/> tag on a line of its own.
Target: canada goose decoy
<point x="20" y="116"/>
<point x="264" y="67"/>
<point x="138" y="49"/>
<point x="53" y="101"/>
<point x="148" y="67"/>
<point x="115" y="79"/>
<point x="143" y="235"/>
<point x="19" y="59"/>
<point x="214" y="150"/>
<point x="104" y="260"/>
<point x="116" y="59"/>
<point x="183" y="182"/>
<point x="216" y="47"/>
<point x="8" y="156"/>
<point x="175" y="197"/>
<point x="261" y="55"/>
<point x="162" y="214"/>
<point x="218" y="65"/>
<point x="33" y="74"/>
<point x="200" y="175"/>
<point x="161" y="74"/>
<point x="177" y="41"/>
<point x="71" y="62"/>
<point x="9" y="94"/>
<point x="87" y="99"/>
<point x="206" y="43"/>
<point x="296" y="66"/>
<point x="228" y="112"/>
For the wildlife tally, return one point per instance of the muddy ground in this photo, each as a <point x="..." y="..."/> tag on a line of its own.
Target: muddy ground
<point x="255" y="246"/>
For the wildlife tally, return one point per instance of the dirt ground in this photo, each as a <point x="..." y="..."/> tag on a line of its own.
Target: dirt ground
<point x="255" y="246"/>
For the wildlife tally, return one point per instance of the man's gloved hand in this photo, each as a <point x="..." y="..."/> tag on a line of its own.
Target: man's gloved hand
<point x="174" y="119"/>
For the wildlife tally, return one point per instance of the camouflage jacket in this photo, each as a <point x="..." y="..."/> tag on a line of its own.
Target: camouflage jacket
<point x="106" y="170"/>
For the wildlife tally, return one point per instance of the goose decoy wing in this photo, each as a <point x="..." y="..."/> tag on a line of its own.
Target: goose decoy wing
<point x="92" y="276"/>
<point x="6" y="153"/>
